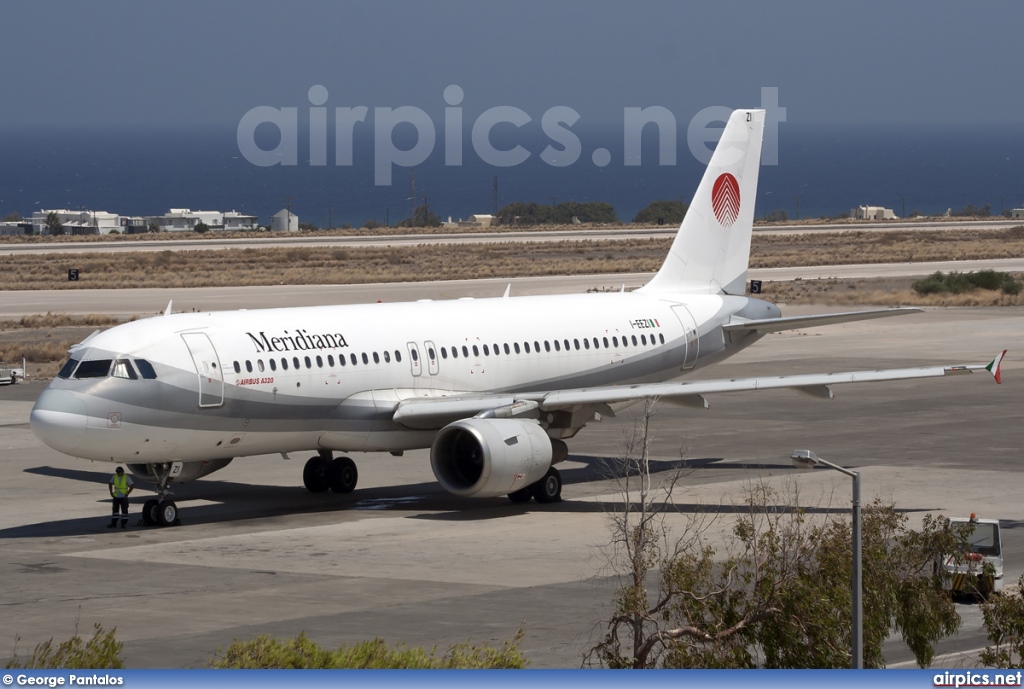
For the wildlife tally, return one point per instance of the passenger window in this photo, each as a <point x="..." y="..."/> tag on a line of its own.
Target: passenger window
<point x="643" y="339"/>
<point x="309" y="364"/>
<point x="634" y="340"/>
<point x="615" y="341"/>
<point x="398" y="356"/>
<point x="145" y="369"/>
<point x="341" y="360"/>
<point x="507" y="350"/>
<point x="319" y="361"/>
<point x="526" y="346"/>
<point x="259" y="365"/>
<point x="353" y="359"/>
<point x="577" y="343"/>
<point x="248" y="366"/>
<point x="387" y="357"/>
<point x="476" y="351"/>
<point x="547" y="346"/>
<point x="444" y="352"/>
<point x="431" y="353"/>
<point x="376" y="358"/>
<point x="330" y="360"/>
<point x="366" y="359"/>
<point x="284" y="364"/>
<point x="273" y="365"/>
<point x="605" y="339"/>
<point x="238" y="369"/>
<point x="69" y="367"/>
<point x="586" y="343"/>
<point x="465" y="351"/>
<point x="487" y="351"/>
<point x="536" y="346"/>
<point x="455" y="352"/>
<point x="661" y="337"/>
<point x="295" y="363"/>
<point x="413" y="353"/>
<point x="123" y="369"/>
<point x="496" y="349"/>
<point x="566" y="342"/>
<point x="515" y="346"/>
<point x="558" y="346"/>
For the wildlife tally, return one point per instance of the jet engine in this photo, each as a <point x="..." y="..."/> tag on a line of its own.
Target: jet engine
<point x="180" y="471"/>
<point x="484" y="458"/>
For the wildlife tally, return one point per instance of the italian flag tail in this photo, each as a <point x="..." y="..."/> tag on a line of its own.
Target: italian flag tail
<point x="994" y="365"/>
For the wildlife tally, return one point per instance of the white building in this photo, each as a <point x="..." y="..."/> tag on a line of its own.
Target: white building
<point x="284" y="221"/>
<point x="872" y="213"/>
<point x="1017" y="213"/>
<point x="186" y="219"/>
<point x="77" y="222"/>
<point x="478" y="220"/>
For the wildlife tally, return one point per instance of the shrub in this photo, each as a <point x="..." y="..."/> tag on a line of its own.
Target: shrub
<point x="101" y="651"/>
<point x="958" y="283"/>
<point x="265" y="652"/>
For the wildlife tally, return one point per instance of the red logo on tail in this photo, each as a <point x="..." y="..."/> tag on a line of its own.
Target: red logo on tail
<point x="725" y="199"/>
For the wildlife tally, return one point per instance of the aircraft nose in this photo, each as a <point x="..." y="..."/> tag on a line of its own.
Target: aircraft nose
<point x="58" y="419"/>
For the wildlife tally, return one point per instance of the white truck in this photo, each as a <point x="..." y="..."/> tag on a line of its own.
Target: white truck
<point x="978" y="570"/>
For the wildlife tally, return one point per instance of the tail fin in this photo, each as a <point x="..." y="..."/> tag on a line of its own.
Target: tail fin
<point x="712" y="248"/>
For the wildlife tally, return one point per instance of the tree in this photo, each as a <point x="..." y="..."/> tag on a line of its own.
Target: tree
<point x="53" y="224"/>
<point x="776" y="216"/>
<point x="776" y="593"/>
<point x="201" y="227"/>
<point x="1004" y="623"/>
<point x="371" y="224"/>
<point x="540" y="214"/>
<point x="662" y="213"/>
<point x="422" y="217"/>
<point x="12" y="217"/>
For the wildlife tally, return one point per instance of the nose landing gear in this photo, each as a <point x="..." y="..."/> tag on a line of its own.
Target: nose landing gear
<point x="161" y="510"/>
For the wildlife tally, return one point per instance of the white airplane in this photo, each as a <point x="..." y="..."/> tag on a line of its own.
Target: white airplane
<point x="492" y="386"/>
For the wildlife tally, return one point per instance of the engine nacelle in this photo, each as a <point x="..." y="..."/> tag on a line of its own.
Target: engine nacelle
<point x="484" y="458"/>
<point x="181" y="471"/>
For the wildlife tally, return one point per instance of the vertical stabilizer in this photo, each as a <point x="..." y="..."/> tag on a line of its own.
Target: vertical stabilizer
<point x="712" y="248"/>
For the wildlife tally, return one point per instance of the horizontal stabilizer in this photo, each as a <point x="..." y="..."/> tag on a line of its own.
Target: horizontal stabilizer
<point x="774" y="325"/>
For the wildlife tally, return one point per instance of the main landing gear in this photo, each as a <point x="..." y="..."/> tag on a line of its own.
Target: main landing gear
<point x="161" y="510"/>
<point x="325" y="472"/>
<point x="545" y="491"/>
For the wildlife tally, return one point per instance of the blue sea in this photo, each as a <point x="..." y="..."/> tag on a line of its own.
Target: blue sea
<point x="821" y="170"/>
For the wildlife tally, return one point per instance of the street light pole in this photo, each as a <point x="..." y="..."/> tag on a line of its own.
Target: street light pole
<point x="808" y="458"/>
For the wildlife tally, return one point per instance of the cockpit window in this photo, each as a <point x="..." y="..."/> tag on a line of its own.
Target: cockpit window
<point x="97" y="368"/>
<point x="124" y="369"/>
<point x="146" y="369"/>
<point x="67" y="369"/>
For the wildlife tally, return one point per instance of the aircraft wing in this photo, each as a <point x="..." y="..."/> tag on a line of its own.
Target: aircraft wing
<point x="773" y="325"/>
<point x="420" y="412"/>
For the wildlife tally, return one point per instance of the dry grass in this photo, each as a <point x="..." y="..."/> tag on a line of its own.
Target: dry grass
<point x="879" y="292"/>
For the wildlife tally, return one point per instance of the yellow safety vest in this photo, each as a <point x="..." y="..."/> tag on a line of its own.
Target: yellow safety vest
<point x="120" y="485"/>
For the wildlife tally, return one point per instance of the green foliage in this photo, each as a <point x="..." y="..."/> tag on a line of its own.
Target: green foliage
<point x="201" y="227"/>
<point x="778" y="594"/>
<point x="12" y="217"/>
<point x="102" y="651"/>
<point x="958" y="283"/>
<point x="153" y="227"/>
<point x="371" y="224"/>
<point x="421" y="217"/>
<point x="536" y="214"/>
<point x="264" y="652"/>
<point x="1004" y="623"/>
<point x="776" y="216"/>
<point x="662" y="213"/>
<point x="970" y="211"/>
<point x="53" y="224"/>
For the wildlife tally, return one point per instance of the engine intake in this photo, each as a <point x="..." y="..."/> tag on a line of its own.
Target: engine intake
<point x="484" y="458"/>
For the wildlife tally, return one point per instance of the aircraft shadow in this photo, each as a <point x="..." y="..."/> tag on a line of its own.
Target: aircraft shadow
<point x="232" y="501"/>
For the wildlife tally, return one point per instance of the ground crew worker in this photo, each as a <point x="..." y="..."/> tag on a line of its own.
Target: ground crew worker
<point x="121" y="486"/>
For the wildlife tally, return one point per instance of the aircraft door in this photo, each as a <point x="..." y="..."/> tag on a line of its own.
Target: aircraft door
<point x="414" y="359"/>
<point x="431" y="352"/>
<point x="689" y="333"/>
<point x="211" y="378"/>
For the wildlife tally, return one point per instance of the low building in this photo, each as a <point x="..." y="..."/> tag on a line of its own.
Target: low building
<point x="474" y="221"/>
<point x="77" y="222"/>
<point x="872" y="213"/>
<point x="1017" y="213"/>
<point x="284" y="221"/>
<point x="185" y="220"/>
<point x="239" y="222"/>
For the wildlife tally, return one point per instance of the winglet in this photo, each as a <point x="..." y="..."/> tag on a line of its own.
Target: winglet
<point x="994" y="367"/>
<point x="508" y="290"/>
<point x="167" y="311"/>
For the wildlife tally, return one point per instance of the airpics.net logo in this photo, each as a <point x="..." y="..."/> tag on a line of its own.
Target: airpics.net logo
<point x="565" y="147"/>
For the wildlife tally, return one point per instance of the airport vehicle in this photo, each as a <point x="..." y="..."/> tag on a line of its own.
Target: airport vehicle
<point x="10" y="374"/>
<point x="494" y="387"/>
<point x="978" y="570"/>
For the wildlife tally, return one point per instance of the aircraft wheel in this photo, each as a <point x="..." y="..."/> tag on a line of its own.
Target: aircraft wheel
<point x="521" y="495"/>
<point x="167" y="513"/>
<point x="314" y="475"/>
<point x="549" y="488"/>
<point x="149" y="513"/>
<point x="342" y="475"/>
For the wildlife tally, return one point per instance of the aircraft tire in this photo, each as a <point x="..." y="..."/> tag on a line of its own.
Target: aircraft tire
<point x="522" y="495"/>
<point x="314" y="475"/>
<point x="342" y="475"/>
<point x="149" y="517"/>
<point x="548" y="489"/>
<point x="167" y="513"/>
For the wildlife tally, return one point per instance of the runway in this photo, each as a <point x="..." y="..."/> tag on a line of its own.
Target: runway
<point x="401" y="559"/>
